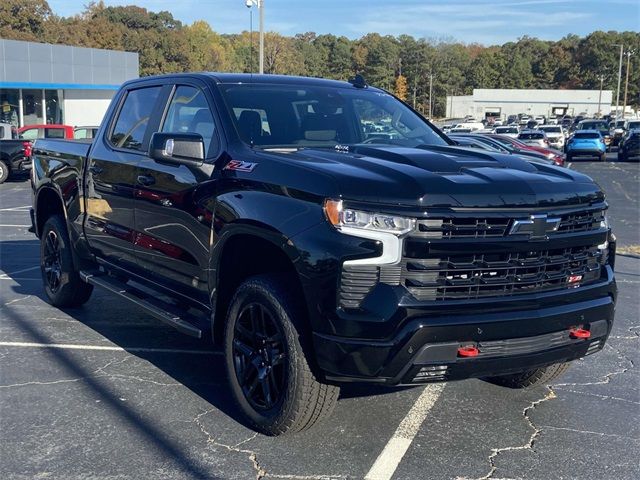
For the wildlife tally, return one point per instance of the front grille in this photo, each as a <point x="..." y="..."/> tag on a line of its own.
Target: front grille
<point x="499" y="226"/>
<point x="500" y="274"/>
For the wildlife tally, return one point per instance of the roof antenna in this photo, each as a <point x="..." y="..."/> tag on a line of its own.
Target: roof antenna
<point x="358" y="81"/>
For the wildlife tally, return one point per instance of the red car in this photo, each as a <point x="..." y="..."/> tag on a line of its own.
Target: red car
<point x="551" y="154"/>
<point x="33" y="132"/>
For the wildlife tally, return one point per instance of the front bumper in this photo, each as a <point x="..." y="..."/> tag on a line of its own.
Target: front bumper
<point x="426" y="348"/>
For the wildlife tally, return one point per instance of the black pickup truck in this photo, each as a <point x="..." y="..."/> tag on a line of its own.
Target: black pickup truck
<point x="15" y="157"/>
<point x="258" y="210"/>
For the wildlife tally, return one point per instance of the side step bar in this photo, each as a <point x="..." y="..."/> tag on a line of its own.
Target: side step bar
<point x="161" y="310"/>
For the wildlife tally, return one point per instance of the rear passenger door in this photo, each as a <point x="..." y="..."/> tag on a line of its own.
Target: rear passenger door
<point x="111" y="176"/>
<point x="173" y="201"/>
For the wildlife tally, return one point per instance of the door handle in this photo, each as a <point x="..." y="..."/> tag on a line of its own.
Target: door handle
<point x="95" y="170"/>
<point x="146" y="180"/>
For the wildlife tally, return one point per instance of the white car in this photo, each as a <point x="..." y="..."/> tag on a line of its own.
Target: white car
<point x="540" y="119"/>
<point x="508" y="130"/>
<point x="536" y="138"/>
<point x="555" y="135"/>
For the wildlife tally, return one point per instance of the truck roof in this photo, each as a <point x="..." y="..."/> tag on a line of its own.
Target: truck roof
<point x="254" y="78"/>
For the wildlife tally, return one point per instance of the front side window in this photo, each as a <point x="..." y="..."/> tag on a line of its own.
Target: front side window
<point x="54" y="133"/>
<point x="305" y="116"/>
<point x="189" y="112"/>
<point x="131" y="124"/>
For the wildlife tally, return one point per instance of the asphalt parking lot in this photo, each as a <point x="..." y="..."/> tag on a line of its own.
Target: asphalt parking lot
<point x="103" y="391"/>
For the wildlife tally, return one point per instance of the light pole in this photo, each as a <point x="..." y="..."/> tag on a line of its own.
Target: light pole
<point x="430" y="95"/>
<point x="601" y="77"/>
<point x="619" y="78"/>
<point x="260" y="5"/>
<point x="626" y="82"/>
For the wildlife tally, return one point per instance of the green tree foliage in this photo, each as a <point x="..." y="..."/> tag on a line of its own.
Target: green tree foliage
<point x="403" y="64"/>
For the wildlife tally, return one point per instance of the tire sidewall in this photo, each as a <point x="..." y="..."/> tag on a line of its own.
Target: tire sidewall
<point x="4" y="171"/>
<point x="255" y="291"/>
<point x="57" y="225"/>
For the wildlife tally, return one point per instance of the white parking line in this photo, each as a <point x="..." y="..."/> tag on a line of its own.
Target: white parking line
<point x="19" y="271"/>
<point x="16" y="226"/>
<point x="16" y="209"/>
<point x="388" y="461"/>
<point x="108" y="348"/>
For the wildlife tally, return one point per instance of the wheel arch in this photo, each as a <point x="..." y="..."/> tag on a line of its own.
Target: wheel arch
<point x="48" y="202"/>
<point x="242" y="251"/>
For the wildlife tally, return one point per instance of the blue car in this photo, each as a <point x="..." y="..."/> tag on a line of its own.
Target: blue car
<point x="585" y="143"/>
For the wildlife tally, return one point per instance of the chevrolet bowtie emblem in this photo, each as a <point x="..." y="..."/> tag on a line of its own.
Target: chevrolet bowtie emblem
<point x="537" y="226"/>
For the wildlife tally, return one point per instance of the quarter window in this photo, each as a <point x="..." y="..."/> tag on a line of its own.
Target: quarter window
<point x="189" y="112"/>
<point x="133" y="119"/>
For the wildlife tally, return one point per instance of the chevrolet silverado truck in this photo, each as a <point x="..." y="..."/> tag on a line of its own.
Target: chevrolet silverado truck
<point x="15" y="155"/>
<point x="258" y="210"/>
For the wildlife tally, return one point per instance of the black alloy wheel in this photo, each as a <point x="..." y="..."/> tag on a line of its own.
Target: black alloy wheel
<point x="259" y="357"/>
<point x="52" y="263"/>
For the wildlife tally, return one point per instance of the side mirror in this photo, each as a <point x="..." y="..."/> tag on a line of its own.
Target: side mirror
<point x="177" y="147"/>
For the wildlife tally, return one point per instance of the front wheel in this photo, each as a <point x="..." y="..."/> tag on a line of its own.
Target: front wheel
<point x="530" y="378"/>
<point x="4" y="171"/>
<point x="267" y="359"/>
<point x="62" y="283"/>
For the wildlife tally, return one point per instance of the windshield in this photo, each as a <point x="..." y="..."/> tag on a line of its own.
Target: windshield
<point x="551" y="129"/>
<point x="633" y="125"/>
<point x="602" y="126"/>
<point x="303" y="116"/>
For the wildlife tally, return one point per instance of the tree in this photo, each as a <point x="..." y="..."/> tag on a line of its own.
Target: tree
<point x="23" y="19"/>
<point x="400" y="88"/>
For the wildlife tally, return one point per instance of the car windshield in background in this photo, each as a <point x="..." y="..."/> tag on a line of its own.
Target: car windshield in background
<point x="305" y="116"/>
<point x="586" y="135"/>
<point x="531" y="136"/>
<point x="602" y="126"/>
<point x="633" y="125"/>
<point x="551" y="129"/>
<point x="506" y="130"/>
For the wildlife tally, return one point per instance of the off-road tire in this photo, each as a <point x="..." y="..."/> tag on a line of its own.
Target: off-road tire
<point x="530" y="378"/>
<point x="305" y="400"/>
<point x="72" y="291"/>
<point x="4" y="171"/>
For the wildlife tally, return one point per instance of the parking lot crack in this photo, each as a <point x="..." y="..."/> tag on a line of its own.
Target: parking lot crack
<point x="212" y="442"/>
<point x="529" y="445"/>
<point x="589" y="432"/>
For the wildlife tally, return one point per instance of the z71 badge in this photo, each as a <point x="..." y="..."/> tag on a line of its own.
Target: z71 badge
<point x="240" y="166"/>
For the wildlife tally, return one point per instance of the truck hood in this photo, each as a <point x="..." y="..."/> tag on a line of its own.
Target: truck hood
<point x="437" y="176"/>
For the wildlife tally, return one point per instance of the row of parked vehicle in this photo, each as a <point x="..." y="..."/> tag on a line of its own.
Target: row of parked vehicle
<point x="16" y="144"/>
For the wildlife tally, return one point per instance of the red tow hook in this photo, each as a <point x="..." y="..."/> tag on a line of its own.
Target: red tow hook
<point x="579" y="333"/>
<point x="468" y="351"/>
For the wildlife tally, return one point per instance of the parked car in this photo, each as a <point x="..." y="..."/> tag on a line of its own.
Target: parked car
<point x="33" y="132"/>
<point x="631" y="125"/>
<point x="7" y="132"/>
<point x="630" y="149"/>
<point x="555" y="155"/>
<point x="15" y="154"/>
<point x="541" y="119"/>
<point x="594" y="124"/>
<point x="85" y="132"/>
<point x="534" y="137"/>
<point x="317" y="256"/>
<point x="460" y="130"/>
<point x="484" y="142"/>
<point x="510" y="131"/>
<point x="555" y="134"/>
<point x="586" y="143"/>
<point x="616" y="130"/>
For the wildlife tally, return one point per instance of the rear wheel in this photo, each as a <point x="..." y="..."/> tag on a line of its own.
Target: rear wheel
<point x="4" y="171"/>
<point x="267" y="362"/>
<point x="530" y="378"/>
<point x="603" y="157"/>
<point x="62" y="282"/>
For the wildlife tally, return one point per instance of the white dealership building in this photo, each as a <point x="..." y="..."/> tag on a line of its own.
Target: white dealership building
<point x="499" y="102"/>
<point x="44" y="84"/>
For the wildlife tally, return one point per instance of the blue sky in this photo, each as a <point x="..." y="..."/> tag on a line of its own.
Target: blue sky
<point x="481" y="21"/>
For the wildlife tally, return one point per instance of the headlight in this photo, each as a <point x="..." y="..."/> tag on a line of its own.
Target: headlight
<point x="341" y="217"/>
<point x="604" y="223"/>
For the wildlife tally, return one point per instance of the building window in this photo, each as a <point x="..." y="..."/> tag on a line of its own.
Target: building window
<point x="32" y="107"/>
<point x="9" y="104"/>
<point x="53" y="102"/>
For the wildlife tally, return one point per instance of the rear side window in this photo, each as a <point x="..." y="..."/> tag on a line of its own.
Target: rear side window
<point x="131" y="124"/>
<point x="190" y="113"/>
<point x="53" y="133"/>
